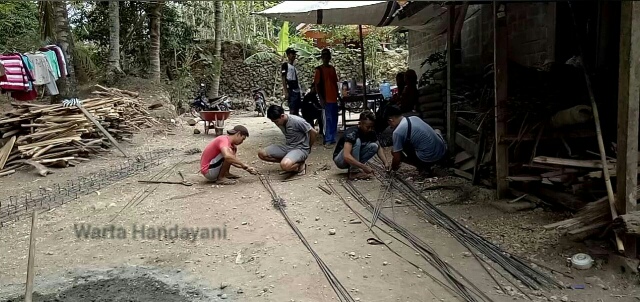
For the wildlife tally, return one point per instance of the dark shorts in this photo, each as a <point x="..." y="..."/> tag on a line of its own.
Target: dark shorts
<point x="295" y="102"/>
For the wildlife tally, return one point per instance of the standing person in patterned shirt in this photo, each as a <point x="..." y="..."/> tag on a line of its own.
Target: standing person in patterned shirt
<point x="326" y="81"/>
<point x="357" y="146"/>
<point x="290" y="84"/>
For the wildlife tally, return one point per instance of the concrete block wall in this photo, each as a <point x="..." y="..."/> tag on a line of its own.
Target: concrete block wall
<point x="422" y="45"/>
<point x="531" y="29"/>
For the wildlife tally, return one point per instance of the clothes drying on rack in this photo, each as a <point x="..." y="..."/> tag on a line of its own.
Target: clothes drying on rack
<point x="20" y="73"/>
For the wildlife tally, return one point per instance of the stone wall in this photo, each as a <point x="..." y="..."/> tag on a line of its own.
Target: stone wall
<point x="238" y="78"/>
<point x="531" y="30"/>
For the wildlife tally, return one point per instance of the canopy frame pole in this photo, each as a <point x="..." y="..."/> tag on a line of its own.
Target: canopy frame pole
<point x="364" y="75"/>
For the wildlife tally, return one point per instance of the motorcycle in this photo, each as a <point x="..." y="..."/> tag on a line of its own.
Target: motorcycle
<point x="260" y="101"/>
<point x="202" y="103"/>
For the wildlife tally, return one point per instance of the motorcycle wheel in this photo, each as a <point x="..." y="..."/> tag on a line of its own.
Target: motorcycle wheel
<point x="263" y="110"/>
<point x="285" y="105"/>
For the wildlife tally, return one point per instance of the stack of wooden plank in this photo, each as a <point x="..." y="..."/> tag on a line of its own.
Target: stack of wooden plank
<point x="54" y="135"/>
<point x="592" y="219"/>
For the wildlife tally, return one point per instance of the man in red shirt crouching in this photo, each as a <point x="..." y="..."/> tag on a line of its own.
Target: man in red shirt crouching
<point x="220" y="155"/>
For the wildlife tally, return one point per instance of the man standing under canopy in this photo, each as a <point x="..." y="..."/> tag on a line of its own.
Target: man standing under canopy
<point x="326" y="81"/>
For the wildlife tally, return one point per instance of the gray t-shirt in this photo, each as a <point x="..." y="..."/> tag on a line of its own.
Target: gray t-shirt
<point x="429" y="146"/>
<point x="296" y="133"/>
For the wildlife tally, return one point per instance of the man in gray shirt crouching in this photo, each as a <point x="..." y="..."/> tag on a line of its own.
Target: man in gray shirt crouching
<point x="414" y="141"/>
<point x="299" y="138"/>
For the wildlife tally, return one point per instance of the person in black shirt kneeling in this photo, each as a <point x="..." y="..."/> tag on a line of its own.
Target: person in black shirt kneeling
<point x="357" y="146"/>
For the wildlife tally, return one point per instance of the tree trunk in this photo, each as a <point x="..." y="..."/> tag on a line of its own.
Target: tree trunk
<point x="253" y="19"/>
<point x="217" y="58"/>
<point x="236" y="23"/>
<point x="114" y="41"/>
<point x="67" y="85"/>
<point x="155" y="14"/>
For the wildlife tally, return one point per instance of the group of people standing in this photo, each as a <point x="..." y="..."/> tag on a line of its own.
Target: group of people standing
<point x="414" y="141"/>
<point x="321" y="103"/>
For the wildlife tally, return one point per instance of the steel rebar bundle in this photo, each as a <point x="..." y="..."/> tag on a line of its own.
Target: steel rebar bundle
<point x="278" y="203"/>
<point x="516" y="267"/>
<point x="467" y="292"/>
<point x="17" y="206"/>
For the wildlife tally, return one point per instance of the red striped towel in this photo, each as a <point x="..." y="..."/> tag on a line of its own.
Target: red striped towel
<point x="15" y="77"/>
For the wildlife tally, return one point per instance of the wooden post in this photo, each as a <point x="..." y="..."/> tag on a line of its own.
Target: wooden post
<point x="500" y="84"/>
<point x="364" y="75"/>
<point x="30" y="264"/>
<point x="451" y="8"/>
<point x="628" y="112"/>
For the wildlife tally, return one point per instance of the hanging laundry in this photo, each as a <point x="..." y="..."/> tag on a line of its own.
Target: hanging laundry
<point x="25" y="95"/>
<point x="15" y="77"/>
<point x="28" y="67"/>
<point x="62" y="62"/>
<point x="43" y="75"/>
<point x="53" y="62"/>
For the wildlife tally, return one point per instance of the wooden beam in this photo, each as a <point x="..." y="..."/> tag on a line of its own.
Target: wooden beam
<point x="500" y="84"/>
<point x="95" y="122"/>
<point x="628" y="111"/>
<point x="466" y="143"/>
<point x="468" y="124"/>
<point x="571" y="162"/>
<point x="451" y="9"/>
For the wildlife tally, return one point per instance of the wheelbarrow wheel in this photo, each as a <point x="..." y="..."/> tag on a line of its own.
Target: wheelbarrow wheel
<point x="195" y="112"/>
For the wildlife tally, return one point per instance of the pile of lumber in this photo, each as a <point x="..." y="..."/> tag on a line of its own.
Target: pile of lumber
<point x="594" y="219"/>
<point x="54" y="135"/>
<point x="562" y="181"/>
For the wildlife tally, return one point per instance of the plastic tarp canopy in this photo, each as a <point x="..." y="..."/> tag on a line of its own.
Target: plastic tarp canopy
<point x="414" y="15"/>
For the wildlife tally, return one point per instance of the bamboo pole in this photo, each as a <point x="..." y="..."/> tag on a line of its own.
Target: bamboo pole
<point x="603" y="156"/>
<point x="30" y="265"/>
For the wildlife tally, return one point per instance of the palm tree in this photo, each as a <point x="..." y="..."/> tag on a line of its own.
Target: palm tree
<point x="114" y="41"/>
<point x="54" y="27"/>
<point x="217" y="58"/>
<point x="155" y="14"/>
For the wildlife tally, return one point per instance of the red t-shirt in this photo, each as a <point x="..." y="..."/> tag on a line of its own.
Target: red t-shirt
<point x="330" y="81"/>
<point x="213" y="150"/>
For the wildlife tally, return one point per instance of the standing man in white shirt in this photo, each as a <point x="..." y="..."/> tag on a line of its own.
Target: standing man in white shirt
<point x="290" y="84"/>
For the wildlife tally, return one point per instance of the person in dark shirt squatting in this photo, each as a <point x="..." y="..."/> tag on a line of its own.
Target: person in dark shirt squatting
<point x="357" y="146"/>
<point x="414" y="141"/>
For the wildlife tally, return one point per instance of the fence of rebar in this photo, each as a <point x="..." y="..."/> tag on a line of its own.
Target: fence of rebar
<point x="17" y="206"/>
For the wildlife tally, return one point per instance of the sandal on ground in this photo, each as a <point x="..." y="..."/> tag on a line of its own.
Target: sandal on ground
<point x="225" y="182"/>
<point x="231" y="176"/>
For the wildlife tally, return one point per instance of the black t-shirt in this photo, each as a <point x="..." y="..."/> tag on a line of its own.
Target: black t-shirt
<point x="352" y="134"/>
<point x="291" y="75"/>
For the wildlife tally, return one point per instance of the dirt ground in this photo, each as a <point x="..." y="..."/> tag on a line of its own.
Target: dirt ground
<point x="261" y="259"/>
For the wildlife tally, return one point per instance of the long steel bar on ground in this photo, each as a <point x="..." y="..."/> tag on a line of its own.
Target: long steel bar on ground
<point x="424" y="250"/>
<point x="279" y="204"/>
<point x="360" y="216"/>
<point x="514" y="266"/>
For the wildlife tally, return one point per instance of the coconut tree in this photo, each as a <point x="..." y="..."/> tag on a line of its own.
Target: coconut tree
<point x="155" y="14"/>
<point x="114" y="40"/>
<point x="217" y="57"/>
<point x="54" y="27"/>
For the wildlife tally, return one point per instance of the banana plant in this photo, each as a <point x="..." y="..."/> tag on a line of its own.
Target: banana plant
<point x="277" y="51"/>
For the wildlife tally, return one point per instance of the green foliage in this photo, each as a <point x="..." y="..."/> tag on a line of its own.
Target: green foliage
<point x="91" y="24"/>
<point x="438" y="62"/>
<point x="19" y="26"/>
<point x="283" y="39"/>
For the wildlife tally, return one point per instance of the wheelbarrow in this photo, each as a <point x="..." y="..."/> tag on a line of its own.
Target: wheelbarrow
<point x="215" y="120"/>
